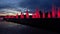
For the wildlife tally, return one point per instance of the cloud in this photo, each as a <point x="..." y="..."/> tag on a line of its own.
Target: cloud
<point x="8" y="3"/>
<point x="39" y="3"/>
<point x="30" y="4"/>
<point x="9" y="12"/>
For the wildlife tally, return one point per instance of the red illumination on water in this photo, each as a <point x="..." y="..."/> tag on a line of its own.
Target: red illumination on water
<point x="21" y="16"/>
<point x="53" y="12"/>
<point x="37" y="13"/>
<point x="43" y="14"/>
<point x="6" y="16"/>
<point x="27" y="14"/>
<point x="17" y="16"/>
<point x="33" y="15"/>
<point x="11" y="16"/>
<point x="58" y="14"/>
<point x="49" y="16"/>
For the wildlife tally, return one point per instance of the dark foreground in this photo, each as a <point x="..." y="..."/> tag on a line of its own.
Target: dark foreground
<point x="13" y="28"/>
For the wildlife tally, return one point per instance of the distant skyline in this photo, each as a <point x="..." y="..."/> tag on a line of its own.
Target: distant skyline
<point x="30" y="4"/>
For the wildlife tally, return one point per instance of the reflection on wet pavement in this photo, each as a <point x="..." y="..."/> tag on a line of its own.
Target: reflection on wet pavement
<point x="14" y="28"/>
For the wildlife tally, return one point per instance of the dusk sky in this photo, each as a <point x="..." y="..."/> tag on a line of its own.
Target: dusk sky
<point x="30" y="4"/>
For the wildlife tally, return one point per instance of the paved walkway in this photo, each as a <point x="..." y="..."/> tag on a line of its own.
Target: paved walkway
<point x="14" y="28"/>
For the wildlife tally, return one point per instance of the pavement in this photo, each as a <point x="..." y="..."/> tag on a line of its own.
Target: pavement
<point x="14" y="28"/>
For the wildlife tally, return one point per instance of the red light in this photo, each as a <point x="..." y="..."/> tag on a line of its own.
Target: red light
<point x="27" y="15"/>
<point x="43" y="14"/>
<point x="49" y="16"/>
<point x="17" y="16"/>
<point x="53" y="12"/>
<point x="21" y="16"/>
<point x="58" y="13"/>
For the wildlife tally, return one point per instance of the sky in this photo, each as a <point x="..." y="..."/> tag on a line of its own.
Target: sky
<point x="28" y="4"/>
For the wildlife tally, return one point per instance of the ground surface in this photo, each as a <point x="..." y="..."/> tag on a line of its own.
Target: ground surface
<point x="14" y="28"/>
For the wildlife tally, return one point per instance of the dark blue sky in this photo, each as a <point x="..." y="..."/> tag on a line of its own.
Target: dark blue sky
<point x="31" y="4"/>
